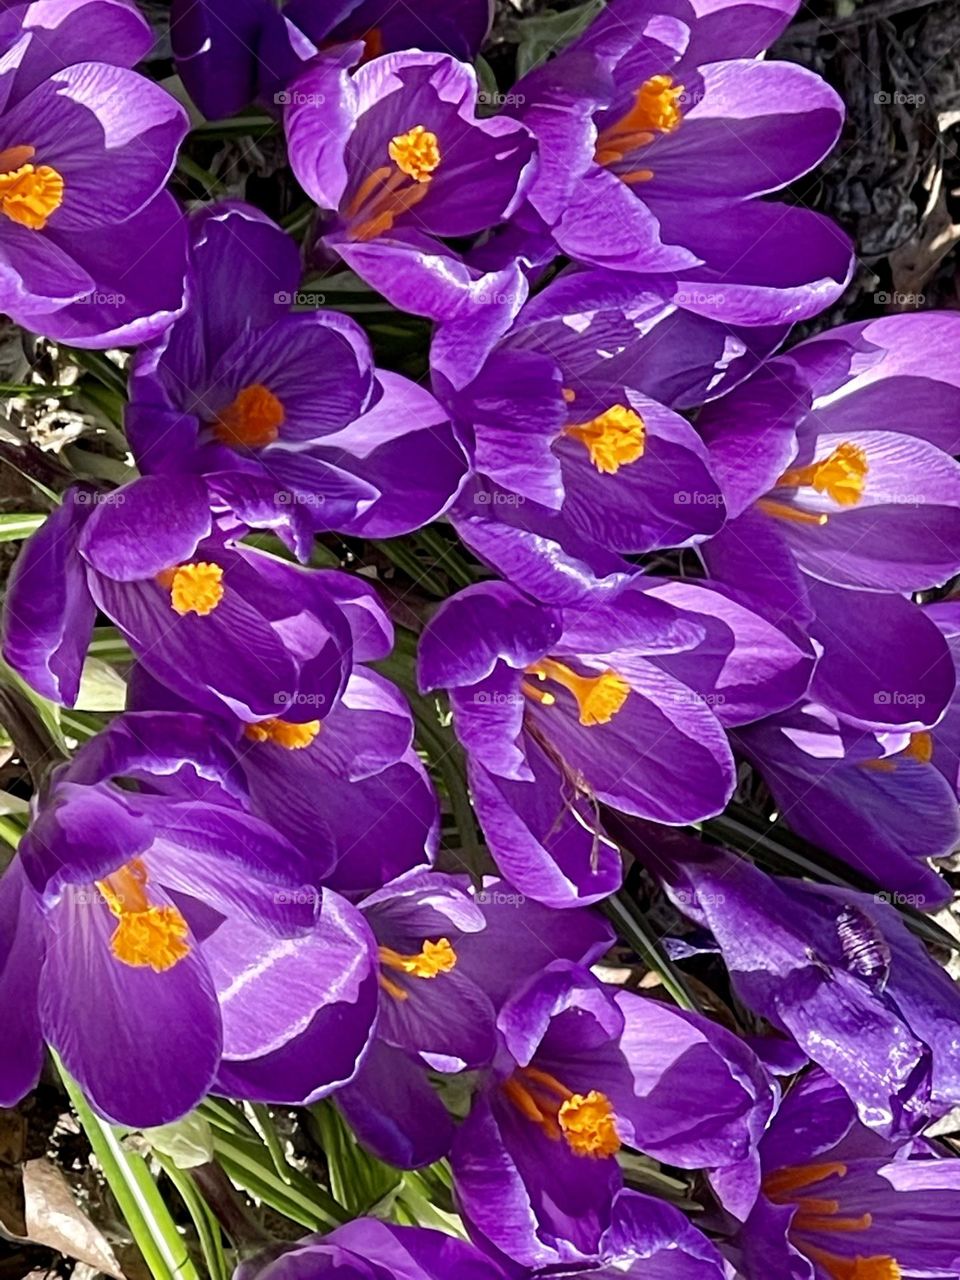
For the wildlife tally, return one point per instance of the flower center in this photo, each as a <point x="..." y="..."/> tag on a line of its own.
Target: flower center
<point x="585" y="1121"/>
<point x="840" y="476"/>
<point x="393" y="189"/>
<point x="146" y="937"/>
<point x="613" y="439"/>
<point x="194" y="588"/>
<point x="292" y="737"/>
<point x="253" y="419"/>
<point x="433" y="959"/>
<point x="818" y="1216"/>
<point x="655" y="110"/>
<point x="28" y="194"/>
<point x="598" y="698"/>
<point x="416" y="153"/>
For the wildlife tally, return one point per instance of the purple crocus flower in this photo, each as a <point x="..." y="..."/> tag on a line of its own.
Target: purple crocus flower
<point x="92" y="246"/>
<point x="346" y="786"/>
<point x="835" y="970"/>
<point x="285" y="408"/>
<point x="395" y="154"/>
<point x="876" y="801"/>
<point x="567" y="450"/>
<point x="432" y="1016"/>
<point x="839" y="1203"/>
<point x="368" y="1249"/>
<point x="126" y="893"/>
<point x="621" y="700"/>
<point x="229" y="52"/>
<point x="586" y="1069"/>
<point x="822" y="483"/>
<point x="225" y="626"/>
<point x="659" y="128"/>
<point x="448" y="958"/>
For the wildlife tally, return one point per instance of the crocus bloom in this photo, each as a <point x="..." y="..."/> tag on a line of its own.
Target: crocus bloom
<point x="118" y="898"/>
<point x="230" y="52"/>
<point x="285" y="408"/>
<point x="395" y="154"/>
<point x="876" y="801"/>
<point x="576" y="449"/>
<point x="658" y="128"/>
<point x="587" y="1069"/>
<point x="227" y="627"/>
<point x="368" y="1249"/>
<point x="822" y="482"/>
<point x="92" y="246"/>
<point x="835" y="970"/>
<point x="432" y="1016"/>
<point x="345" y="786"/>
<point x="621" y="701"/>
<point x="839" y="1203"/>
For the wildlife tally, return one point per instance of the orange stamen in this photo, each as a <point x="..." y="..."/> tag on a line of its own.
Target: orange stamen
<point x="598" y="698"/>
<point x="613" y="439"/>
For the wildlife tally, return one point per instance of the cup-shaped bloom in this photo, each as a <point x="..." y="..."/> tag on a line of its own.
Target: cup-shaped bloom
<point x="561" y="440"/>
<point x="839" y="1203"/>
<point x="823" y="482"/>
<point x="396" y="155"/>
<point x="433" y="1017"/>
<point x="285" y="408"/>
<point x="92" y="246"/>
<point x="230" y="52"/>
<point x="118" y="899"/>
<point x="227" y="627"/>
<point x="368" y="1249"/>
<point x="587" y="1069"/>
<point x="621" y="700"/>
<point x="876" y="801"/>
<point x="658" y="129"/>
<point x="835" y="970"/>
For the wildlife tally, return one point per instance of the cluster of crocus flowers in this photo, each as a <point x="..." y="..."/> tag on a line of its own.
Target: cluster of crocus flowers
<point x="689" y="571"/>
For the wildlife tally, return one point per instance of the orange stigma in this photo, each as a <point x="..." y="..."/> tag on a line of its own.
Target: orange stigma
<point x="416" y="153"/>
<point x="282" y="733"/>
<point x="146" y="937"/>
<point x="655" y="110"/>
<point x="584" y="1121"/>
<point x="875" y="1268"/>
<point x="253" y="419"/>
<point x="28" y="194"/>
<point x="433" y="959"/>
<point x="194" y="588"/>
<point x="613" y="439"/>
<point x="840" y="475"/>
<point x="918" y="748"/>
<point x="598" y="698"/>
